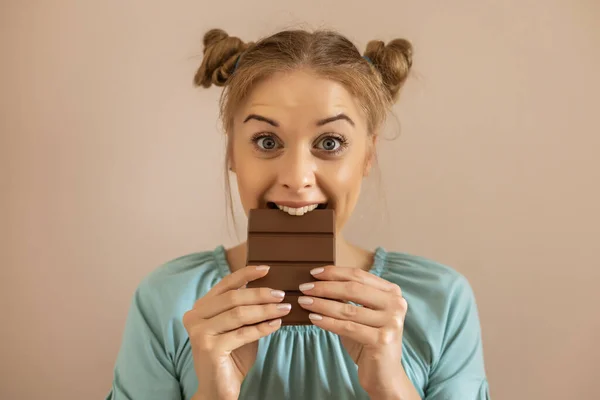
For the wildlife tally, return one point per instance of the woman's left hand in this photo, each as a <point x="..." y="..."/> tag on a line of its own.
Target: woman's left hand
<point x="370" y="333"/>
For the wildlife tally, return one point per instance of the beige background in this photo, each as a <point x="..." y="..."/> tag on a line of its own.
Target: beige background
<point x="111" y="165"/>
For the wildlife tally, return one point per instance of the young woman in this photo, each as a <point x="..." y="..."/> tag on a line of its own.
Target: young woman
<point x="302" y="112"/>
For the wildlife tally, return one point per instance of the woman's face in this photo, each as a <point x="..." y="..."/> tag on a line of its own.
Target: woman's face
<point x="298" y="142"/>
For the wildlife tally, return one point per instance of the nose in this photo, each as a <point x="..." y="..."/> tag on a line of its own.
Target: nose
<point x="297" y="172"/>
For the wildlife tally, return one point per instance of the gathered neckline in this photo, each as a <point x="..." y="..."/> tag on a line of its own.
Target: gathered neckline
<point x="377" y="269"/>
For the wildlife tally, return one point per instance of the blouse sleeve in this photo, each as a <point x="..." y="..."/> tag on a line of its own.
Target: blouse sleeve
<point x="459" y="372"/>
<point x="144" y="370"/>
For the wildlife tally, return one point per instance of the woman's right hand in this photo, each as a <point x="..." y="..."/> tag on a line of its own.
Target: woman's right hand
<point x="224" y="327"/>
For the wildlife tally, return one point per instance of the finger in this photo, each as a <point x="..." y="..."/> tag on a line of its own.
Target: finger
<point x="238" y="279"/>
<point x="247" y="334"/>
<point x="348" y="291"/>
<point x="212" y="306"/>
<point x="344" y="311"/>
<point x="245" y="315"/>
<point x="363" y="334"/>
<point x="336" y="273"/>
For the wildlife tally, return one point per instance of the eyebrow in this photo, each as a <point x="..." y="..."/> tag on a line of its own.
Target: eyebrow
<point x="262" y="119"/>
<point x="321" y="122"/>
<point x="335" y="118"/>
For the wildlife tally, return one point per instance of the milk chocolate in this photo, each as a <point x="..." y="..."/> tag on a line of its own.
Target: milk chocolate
<point x="291" y="246"/>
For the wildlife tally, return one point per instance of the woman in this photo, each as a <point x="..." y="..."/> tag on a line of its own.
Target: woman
<point x="302" y="112"/>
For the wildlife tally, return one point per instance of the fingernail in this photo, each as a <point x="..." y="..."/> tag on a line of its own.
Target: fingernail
<point x="284" y="306"/>
<point x="262" y="268"/>
<point x="305" y="300"/>
<point x="315" y="317"/>
<point x="306" y="286"/>
<point x="316" y="271"/>
<point x="275" y="322"/>
<point x="278" y="293"/>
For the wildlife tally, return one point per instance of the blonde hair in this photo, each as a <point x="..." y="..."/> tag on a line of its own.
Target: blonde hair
<point x="374" y="78"/>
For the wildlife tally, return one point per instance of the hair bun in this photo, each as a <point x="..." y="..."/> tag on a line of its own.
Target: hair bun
<point x="220" y="55"/>
<point x="393" y="61"/>
<point x="213" y="37"/>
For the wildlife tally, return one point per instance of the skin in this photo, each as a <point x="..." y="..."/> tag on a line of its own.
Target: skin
<point x="292" y="146"/>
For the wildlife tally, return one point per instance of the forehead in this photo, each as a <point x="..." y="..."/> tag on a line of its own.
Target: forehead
<point x="300" y="95"/>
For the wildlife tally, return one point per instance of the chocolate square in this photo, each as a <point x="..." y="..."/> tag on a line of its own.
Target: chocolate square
<point x="291" y="246"/>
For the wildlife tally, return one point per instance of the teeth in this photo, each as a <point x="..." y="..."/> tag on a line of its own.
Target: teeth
<point x="297" y="211"/>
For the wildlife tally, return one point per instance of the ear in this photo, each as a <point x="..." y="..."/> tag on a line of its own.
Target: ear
<point x="371" y="154"/>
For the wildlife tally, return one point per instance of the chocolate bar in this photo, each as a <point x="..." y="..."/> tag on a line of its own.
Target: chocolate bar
<point x="291" y="245"/>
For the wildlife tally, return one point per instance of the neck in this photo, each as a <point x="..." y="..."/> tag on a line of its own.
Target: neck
<point x="350" y="255"/>
<point x="346" y="255"/>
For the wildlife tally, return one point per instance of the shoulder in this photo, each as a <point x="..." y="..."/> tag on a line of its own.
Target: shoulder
<point x="171" y="289"/>
<point x="440" y="299"/>
<point x="420" y="275"/>
<point x="188" y="269"/>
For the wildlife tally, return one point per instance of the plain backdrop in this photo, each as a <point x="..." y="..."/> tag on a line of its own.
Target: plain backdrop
<point x="112" y="163"/>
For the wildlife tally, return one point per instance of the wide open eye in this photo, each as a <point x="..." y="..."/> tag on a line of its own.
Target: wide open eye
<point x="331" y="144"/>
<point x="266" y="143"/>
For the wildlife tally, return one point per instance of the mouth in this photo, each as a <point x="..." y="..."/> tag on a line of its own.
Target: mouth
<point x="297" y="211"/>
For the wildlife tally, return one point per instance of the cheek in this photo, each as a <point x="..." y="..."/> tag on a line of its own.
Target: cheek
<point x="350" y="175"/>
<point x="249" y="184"/>
<point x="253" y="180"/>
<point x="349" y="172"/>
<point x="343" y="180"/>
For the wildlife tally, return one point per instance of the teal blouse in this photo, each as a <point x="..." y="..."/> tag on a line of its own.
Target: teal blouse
<point x="441" y="352"/>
